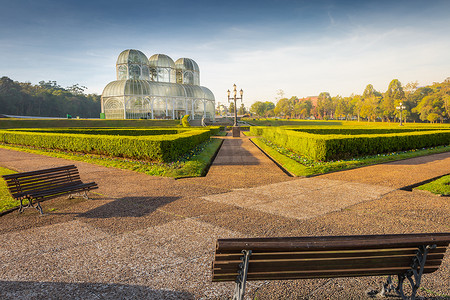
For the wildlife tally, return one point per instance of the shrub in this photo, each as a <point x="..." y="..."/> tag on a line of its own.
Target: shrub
<point x="325" y="147"/>
<point x="162" y="148"/>
<point x="185" y="121"/>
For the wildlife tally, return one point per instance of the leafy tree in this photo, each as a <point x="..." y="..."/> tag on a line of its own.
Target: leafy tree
<point x="303" y="108"/>
<point x="356" y="103"/>
<point x="231" y="109"/>
<point x="432" y="117"/>
<point x="370" y="106"/>
<point x="262" y="109"/>
<point x="284" y="107"/>
<point x="343" y="107"/>
<point x="242" y="110"/>
<point x="324" y="107"/>
<point x="258" y="108"/>
<point x="269" y="109"/>
<point x="393" y="96"/>
<point x="47" y="99"/>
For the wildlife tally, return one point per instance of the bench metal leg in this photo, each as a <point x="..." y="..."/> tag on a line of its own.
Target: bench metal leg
<point x="30" y="204"/>
<point x="414" y="275"/>
<point x="39" y="208"/>
<point x="242" y="277"/>
<point x="80" y="194"/>
<point x="21" y="208"/>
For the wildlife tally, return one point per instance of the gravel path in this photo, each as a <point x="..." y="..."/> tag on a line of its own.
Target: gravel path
<point x="144" y="237"/>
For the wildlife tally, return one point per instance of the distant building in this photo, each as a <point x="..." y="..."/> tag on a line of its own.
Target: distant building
<point x="313" y="100"/>
<point x="156" y="88"/>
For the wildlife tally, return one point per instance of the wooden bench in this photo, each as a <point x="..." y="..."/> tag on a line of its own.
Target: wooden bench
<point x="407" y="256"/>
<point x="46" y="184"/>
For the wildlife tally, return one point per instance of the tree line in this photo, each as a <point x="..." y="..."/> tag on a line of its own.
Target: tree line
<point x="46" y="99"/>
<point x="429" y="103"/>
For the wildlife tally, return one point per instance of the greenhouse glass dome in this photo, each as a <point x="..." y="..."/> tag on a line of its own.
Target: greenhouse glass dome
<point x="156" y="88"/>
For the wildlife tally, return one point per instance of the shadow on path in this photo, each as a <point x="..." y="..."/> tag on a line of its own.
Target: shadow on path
<point x="128" y="207"/>
<point x="235" y="152"/>
<point x="55" y="290"/>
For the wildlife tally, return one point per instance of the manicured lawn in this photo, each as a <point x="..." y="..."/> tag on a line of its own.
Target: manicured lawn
<point x="440" y="186"/>
<point x="6" y="201"/>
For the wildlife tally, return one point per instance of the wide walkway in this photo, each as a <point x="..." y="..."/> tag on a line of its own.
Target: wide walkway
<point x="145" y="237"/>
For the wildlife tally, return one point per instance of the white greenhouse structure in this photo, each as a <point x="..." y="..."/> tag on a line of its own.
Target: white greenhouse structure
<point x="156" y="88"/>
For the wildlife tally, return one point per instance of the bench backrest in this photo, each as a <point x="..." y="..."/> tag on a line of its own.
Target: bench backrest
<point x="326" y="257"/>
<point x="20" y="184"/>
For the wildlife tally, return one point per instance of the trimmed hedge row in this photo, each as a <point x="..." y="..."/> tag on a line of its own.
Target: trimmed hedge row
<point x="359" y="131"/>
<point x="334" y="147"/>
<point x="163" y="148"/>
<point x="52" y="123"/>
<point x="118" y="131"/>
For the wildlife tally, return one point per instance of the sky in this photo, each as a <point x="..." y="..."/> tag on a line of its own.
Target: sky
<point x="300" y="47"/>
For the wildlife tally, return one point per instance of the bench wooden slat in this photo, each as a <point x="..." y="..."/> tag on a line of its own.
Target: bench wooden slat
<point x="331" y="243"/>
<point x="321" y="264"/>
<point x="62" y="190"/>
<point x="23" y="184"/>
<point x="324" y="254"/>
<point x="45" y="185"/>
<point x="31" y="173"/>
<point x="322" y="274"/>
<point x="43" y="177"/>
<point x="38" y="174"/>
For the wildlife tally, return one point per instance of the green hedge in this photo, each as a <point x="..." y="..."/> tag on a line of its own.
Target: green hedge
<point x="119" y="131"/>
<point x="325" y="147"/>
<point x="51" y="123"/>
<point x="359" y="131"/>
<point x="105" y="131"/>
<point x="162" y="148"/>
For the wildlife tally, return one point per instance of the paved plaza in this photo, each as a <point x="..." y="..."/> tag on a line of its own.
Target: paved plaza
<point x="145" y="237"/>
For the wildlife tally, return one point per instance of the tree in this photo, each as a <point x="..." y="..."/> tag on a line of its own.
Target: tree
<point x="284" y="107"/>
<point x="47" y="99"/>
<point x="324" y="107"/>
<point x="303" y="108"/>
<point x="77" y="89"/>
<point x="430" y="105"/>
<point x="242" y="110"/>
<point x="356" y="102"/>
<point x="258" y="108"/>
<point x="280" y="95"/>
<point x="342" y="107"/>
<point x="370" y="103"/>
<point x="231" y="109"/>
<point x="393" y="96"/>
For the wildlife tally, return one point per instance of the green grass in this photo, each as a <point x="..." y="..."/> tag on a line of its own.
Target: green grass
<point x="440" y="186"/>
<point x="290" y="165"/>
<point x="192" y="164"/>
<point x="6" y="201"/>
<point x="301" y="166"/>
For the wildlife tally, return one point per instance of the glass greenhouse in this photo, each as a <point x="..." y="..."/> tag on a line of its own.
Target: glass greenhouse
<point x="156" y="88"/>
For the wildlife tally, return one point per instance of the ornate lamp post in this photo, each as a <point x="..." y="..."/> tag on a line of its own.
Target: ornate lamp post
<point x="401" y="107"/>
<point x="236" y="132"/>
